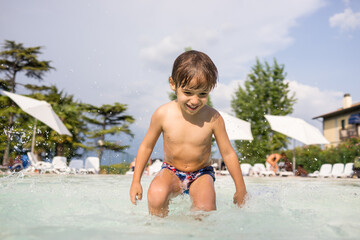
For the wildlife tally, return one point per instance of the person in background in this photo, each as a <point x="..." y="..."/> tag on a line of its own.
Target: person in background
<point x="300" y="171"/>
<point x="132" y="165"/>
<point x="272" y="159"/>
<point x="287" y="164"/>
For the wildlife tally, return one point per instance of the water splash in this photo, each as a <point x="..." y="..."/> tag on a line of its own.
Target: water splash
<point x="98" y="206"/>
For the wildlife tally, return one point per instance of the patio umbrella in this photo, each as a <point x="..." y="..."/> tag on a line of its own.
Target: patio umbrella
<point x="297" y="129"/>
<point x="40" y="110"/>
<point x="236" y="128"/>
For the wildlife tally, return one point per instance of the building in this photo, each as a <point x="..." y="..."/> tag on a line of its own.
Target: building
<point x="343" y="123"/>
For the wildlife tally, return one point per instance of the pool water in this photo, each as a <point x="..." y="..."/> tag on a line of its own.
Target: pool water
<point x="98" y="207"/>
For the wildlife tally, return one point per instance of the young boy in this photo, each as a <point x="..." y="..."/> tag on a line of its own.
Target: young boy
<point x="187" y="125"/>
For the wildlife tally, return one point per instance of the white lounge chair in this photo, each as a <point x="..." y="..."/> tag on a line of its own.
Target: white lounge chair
<point x="348" y="170"/>
<point x="36" y="165"/>
<point x="224" y="172"/>
<point x="245" y="168"/>
<point x="155" y="167"/>
<point x="259" y="170"/>
<point x="59" y="163"/>
<point x="92" y="165"/>
<point x="77" y="165"/>
<point x="255" y="170"/>
<point x="286" y="173"/>
<point x="337" y="170"/>
<point x="325" y="171"/>
<point x="268" y="171"/>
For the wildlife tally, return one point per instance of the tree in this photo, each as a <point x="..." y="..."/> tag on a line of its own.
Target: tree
<point x="70" y="113"/>
<point x="108" y="116"/>
<point x="265" y="92"/>
<point x="48" y="142"/>
<point x="17" y="59"/>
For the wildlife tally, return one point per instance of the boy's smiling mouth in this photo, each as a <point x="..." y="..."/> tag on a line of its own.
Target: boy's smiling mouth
<point x="192" y="107"/>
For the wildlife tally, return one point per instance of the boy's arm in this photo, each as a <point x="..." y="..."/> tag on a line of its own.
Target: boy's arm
<point x="143" y="155"/>
<point x="230" y="158"/>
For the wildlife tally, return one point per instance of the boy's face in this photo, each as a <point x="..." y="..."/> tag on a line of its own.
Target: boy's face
<point x="191" y="100"/>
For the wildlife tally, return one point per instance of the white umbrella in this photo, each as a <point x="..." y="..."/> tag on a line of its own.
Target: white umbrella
<point x="236" y="128"/>
<point x="296" y="128"/>
<point x="40" y="110"/>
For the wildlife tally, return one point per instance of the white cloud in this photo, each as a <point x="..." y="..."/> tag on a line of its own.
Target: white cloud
<point x="232" y="36"/>
<point x="313" y="102"/>
<point x="346" y="21"/>
<point x="160" y="56"/>
<point x="223" y="93"/>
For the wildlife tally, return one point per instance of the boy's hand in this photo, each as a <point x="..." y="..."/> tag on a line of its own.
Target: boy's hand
<point x="135" y="192"/>
<point x="239" y="198"/>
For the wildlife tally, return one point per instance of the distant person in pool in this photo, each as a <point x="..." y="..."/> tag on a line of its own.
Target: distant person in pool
<point x="187" y="125"/>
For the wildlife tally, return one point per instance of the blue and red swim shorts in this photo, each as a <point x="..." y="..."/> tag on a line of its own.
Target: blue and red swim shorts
<point x="187" y="178"/>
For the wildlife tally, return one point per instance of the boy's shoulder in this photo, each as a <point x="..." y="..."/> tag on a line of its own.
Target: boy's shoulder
<point x="212" y="113"/>
<point x="164" y="109"/>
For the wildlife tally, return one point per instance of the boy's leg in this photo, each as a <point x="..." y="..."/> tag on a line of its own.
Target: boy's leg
<point x="202" y="194"/>
<point x="164" y="186"/>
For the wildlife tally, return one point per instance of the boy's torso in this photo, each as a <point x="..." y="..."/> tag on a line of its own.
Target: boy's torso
<point x="187" y="140"/>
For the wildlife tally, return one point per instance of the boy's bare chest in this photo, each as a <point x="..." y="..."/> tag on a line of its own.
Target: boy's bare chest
<point x="178" y="131"/>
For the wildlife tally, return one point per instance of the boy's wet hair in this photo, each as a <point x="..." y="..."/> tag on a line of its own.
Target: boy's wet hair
<point x="194" y="65"/>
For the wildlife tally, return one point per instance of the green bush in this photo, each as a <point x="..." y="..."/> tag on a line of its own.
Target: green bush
<point x="120" y="168"/>
<point x="312" y="157"/>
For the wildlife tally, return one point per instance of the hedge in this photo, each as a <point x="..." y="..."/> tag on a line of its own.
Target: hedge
<point x="312" y="157"/>
<point x="120" y="168"/>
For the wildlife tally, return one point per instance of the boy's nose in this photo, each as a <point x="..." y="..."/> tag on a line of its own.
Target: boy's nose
<point x="194" y="100"/>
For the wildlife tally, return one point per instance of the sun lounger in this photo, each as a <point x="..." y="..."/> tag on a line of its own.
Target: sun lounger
<point x="92" y="165"/>
<point x="268" y="170"/>
<point x="325" y="171"/>
<point x="286" y="173"/>
<point x="36" y="165"/>
<point x="224" y="172"/>
<point x="255" y="170"/>
<point x="59" y="163"/>
<point x="155" y="167"/>
<point x="245" y="168"/>
<point x="348" y="170"/>
<point x="337" y="170"/>
<point x="77" y="166"/>
<point x="259" y="170"/>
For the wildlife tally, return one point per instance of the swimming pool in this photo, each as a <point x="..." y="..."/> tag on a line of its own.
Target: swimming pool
<point x="98" y="207"/>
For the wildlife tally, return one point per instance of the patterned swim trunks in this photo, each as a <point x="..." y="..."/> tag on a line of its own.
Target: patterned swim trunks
<point x="187" y="178"/>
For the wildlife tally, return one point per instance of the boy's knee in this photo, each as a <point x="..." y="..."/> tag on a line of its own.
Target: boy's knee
<point x="158" y="196"/>
<point x="205" y="206"/>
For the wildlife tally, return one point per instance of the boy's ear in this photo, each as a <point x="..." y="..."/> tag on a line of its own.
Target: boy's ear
<point x="172" y="84"/>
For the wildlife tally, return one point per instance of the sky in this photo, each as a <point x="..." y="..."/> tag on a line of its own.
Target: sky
<point x="122" y="51"/>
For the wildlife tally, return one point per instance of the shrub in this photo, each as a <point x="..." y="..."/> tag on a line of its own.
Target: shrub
<point x="312" y="157"/>
<point x="120" y="168"/>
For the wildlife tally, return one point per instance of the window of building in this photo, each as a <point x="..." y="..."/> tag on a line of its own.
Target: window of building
<point x="343" y="124"/>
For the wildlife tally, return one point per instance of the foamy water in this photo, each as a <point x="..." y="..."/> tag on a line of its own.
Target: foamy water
<point x="98" y="207"/>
